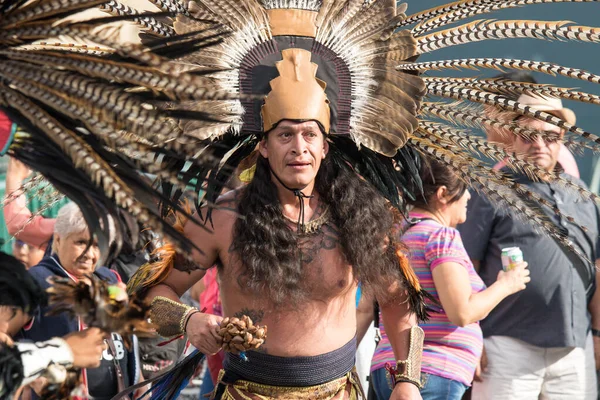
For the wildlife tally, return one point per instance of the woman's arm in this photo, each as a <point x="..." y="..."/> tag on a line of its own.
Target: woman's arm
<point x="464" y="307"/>
<point x="33" y="230"/>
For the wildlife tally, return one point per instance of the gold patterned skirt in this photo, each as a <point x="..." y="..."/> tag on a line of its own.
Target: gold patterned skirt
<point x="345" y="388"/>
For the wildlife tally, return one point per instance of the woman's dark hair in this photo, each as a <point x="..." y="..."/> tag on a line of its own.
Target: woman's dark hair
<point x="268" y="248"/>
<point x="435" y="174"/>
<point x="17" y="287"/>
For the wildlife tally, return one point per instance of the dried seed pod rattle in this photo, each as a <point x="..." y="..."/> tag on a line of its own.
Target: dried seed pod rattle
<point x="240" y="335"/>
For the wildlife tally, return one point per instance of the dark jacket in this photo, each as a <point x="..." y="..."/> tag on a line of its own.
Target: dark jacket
<point x="102" y="381"/>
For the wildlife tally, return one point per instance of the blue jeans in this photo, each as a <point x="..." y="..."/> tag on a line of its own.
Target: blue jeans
<point x="434" y="387"/>
<point x="207" y="385"/>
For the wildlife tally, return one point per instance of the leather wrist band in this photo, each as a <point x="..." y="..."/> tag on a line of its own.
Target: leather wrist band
<point x="409" y="370"/>
<point x="170" y="317"/>
<point x="186" y="319"/>
<point x="595" y="332"/>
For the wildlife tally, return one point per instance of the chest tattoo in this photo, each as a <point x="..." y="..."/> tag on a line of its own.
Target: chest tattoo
<point x="327" y="238"/>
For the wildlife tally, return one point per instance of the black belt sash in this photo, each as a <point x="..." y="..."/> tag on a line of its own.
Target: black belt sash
<point x="290" y="371"/>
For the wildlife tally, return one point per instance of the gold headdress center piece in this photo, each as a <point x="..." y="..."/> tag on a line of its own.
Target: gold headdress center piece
<point x="293" y="22"/>
<point x="296" y="94"/>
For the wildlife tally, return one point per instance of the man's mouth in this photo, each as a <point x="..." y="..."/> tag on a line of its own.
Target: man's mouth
<point x="298" y="165"/>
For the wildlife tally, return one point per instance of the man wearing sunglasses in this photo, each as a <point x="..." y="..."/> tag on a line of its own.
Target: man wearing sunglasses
<point x="539" y="343"/>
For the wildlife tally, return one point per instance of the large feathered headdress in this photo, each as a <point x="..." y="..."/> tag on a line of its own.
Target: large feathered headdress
<point x="212" y="76"/>
<point x="331" y="62"/>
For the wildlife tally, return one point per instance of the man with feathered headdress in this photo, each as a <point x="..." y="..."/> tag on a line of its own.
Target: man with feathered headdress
<point x="340" y="108"/>
<point x="292" y="245"/>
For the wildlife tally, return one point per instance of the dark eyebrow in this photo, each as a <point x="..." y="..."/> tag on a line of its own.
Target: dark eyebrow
<point x="285" y="129"/>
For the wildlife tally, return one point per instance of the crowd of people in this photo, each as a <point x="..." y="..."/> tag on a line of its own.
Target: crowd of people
<point x="538" y="320"/>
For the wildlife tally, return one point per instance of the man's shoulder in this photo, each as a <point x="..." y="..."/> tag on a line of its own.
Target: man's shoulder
<point x="230" y="198"/>
<point x="226" y="206"/>
<point x="572" y="179"/>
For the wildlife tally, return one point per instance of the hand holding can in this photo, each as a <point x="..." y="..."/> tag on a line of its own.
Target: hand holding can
<point x="511" y="256"/>
<point x="515" y="274"/>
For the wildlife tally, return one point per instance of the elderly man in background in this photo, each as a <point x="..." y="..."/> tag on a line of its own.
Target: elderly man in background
<point x="539" y="342"/>
<point x="565" y="158"/>
<point x="75" y="256"/>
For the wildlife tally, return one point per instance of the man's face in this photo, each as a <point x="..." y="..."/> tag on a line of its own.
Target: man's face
<point x="70" y="251"/>
<point x="542" y="151"/>
<point x="295" y="151"/>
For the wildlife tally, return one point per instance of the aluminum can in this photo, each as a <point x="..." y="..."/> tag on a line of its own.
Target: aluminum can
<point x="511" y="256"/>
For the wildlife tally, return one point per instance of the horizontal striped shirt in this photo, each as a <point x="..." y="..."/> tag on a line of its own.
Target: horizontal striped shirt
<point x="449" y="351"/>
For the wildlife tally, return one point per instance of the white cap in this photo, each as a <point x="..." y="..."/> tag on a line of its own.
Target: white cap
<point x="550" y="104"/>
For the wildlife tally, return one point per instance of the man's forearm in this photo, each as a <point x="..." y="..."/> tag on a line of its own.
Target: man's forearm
<point x="169" y="315"/>
<point x="398" y="320"/>
<point x="164" y="291"/>
<point x="406" y="339"/>
<point x="594" y="306"/>
<point x="38" y="357"/>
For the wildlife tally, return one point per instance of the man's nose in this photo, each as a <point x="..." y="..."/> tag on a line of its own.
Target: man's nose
<point x="298" y="144"/>
<point x="539" y="142"/>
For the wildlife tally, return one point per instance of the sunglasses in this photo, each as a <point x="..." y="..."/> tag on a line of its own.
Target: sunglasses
<point x="548" y="137"/>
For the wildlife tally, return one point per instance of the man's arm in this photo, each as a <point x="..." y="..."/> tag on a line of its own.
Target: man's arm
<point x="477" y="230"/>
<point x="594" y="309"/>
<point x="172" y="317"/>
<point x="398" y="321"/>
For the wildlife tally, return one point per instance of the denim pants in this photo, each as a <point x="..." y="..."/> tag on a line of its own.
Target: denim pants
<point x="434" y="387"/>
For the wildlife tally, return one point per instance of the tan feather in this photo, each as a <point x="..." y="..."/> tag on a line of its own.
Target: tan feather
<point x="476" y="7"/>
<point x="499" y="63"/>
<point x="151" y="24"/>
<point x="40" y="9"/>
<point x="489" y="29"/>
<point x="459" y="116"/>
<point x="447" y="90"/>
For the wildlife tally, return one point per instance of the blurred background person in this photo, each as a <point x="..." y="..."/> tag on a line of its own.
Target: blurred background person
<point x="544" y="341"/>
<point x="20" y="298"/>
<point x="34" y="230"/>
<point x="453" y="338"/>
<point x="29" y="255"/>
<point x="75" y="256"/>
<point x="565" y="157"/>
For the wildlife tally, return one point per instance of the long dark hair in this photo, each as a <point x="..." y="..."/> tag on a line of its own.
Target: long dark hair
<point x="18" y="288"/>
<point x="435" y="174"/>
<point x="268" y="247"/>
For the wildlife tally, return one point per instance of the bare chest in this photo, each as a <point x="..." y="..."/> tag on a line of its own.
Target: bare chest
<point x="325" y="270"/>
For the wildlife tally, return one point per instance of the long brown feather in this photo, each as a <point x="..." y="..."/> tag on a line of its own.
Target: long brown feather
<point x="493" y="30"/>
<point x="476" y="7"/>
<point x="450" y="91"/>
<point x="152" y="25"/>
<point x="42" y="9"/>
<point x="499" y="64"/>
